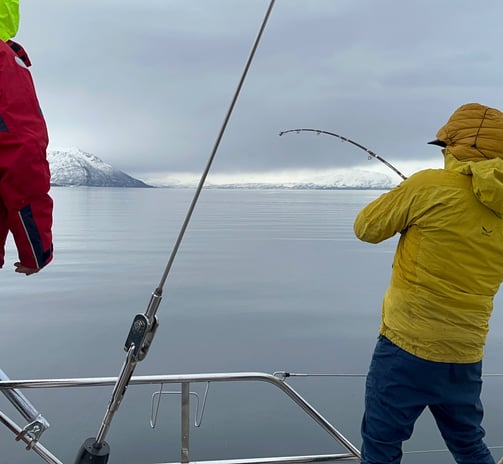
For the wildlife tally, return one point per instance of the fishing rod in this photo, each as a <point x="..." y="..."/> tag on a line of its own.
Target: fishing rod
<point x="96" y="450"/>
<point x="345" y="139"/>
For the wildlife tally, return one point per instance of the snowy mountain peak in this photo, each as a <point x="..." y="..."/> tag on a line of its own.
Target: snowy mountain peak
<point x="74" y="167"/>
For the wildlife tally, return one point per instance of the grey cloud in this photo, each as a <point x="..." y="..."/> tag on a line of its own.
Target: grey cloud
<point x="145" y="85"/>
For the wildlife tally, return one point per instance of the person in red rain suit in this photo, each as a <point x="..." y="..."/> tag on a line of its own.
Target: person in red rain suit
<point x="25" y="205"/>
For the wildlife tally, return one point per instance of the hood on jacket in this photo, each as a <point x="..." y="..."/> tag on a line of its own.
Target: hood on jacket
<point x="9" y="19"/>
<point x="487" y="179"/>
<point x="474" y="132"/>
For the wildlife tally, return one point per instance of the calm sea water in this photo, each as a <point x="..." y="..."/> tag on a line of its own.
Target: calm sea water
<point x="263" y="281"/>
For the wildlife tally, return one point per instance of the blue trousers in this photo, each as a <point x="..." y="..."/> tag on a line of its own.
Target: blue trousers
<point x="400" y="386"/>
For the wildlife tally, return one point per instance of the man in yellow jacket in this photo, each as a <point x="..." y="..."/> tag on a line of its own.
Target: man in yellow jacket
<point x="435" y="314"/>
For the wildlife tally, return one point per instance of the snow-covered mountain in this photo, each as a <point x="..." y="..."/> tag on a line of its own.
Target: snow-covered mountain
<point x="355" y="179"/>
<point x="350" y="178"/>
<point x="73" y="167"/>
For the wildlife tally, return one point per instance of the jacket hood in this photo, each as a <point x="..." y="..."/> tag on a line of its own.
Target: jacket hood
<point x="474" y="132"/>
<point x="9" y="19"/>
<point x="487" y="179"/>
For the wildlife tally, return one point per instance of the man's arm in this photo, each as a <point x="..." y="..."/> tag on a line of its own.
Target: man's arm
<point x="385" y="216"/>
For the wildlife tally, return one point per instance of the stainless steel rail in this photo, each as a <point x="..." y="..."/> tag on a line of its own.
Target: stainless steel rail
<point x="46" y="455"/>
<point x="352" y="453"/>
<point x="37" y="424"/>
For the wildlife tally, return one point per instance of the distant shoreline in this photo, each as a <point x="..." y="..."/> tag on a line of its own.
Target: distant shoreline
<point x="227" y="187"/>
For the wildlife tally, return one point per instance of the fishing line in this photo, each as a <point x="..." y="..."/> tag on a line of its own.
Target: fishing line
<point x="144" y="326"/>
<point x="345" y="139"/>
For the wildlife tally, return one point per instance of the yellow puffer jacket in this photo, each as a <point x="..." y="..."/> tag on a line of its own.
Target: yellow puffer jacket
<point x="449" y="260"/>
<point x="9" y="19"/>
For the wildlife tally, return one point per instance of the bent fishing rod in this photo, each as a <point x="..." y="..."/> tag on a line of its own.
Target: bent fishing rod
<point x="96" y="450"/>
<point x="345" y="139"/>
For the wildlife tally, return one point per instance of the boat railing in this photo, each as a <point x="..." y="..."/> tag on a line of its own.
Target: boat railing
<point x="37" y="424"/>
<point x="11" y="388"/>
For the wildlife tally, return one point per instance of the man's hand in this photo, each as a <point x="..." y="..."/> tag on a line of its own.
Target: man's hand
<point x="25" y="270"/>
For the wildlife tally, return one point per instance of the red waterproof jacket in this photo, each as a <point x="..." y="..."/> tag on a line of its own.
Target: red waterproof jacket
<point x="25" y="205"/>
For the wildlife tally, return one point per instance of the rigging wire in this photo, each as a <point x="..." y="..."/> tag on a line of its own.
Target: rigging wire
<point x="215" y="148"/>
<point x="284" y="375"/>
<point x="345" y="139"/>
<point x="145" y="325"/>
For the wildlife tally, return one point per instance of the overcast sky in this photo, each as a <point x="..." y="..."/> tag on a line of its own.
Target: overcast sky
<point x="145" y="84"/>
